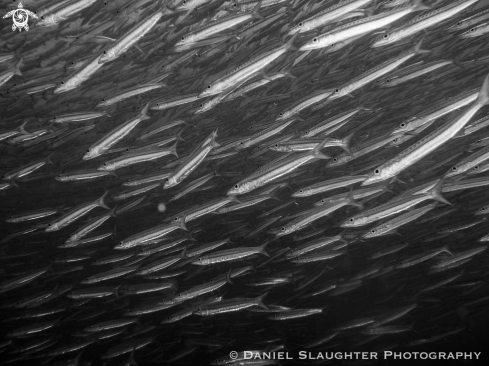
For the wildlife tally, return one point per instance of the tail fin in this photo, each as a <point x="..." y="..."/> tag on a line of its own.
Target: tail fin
<point x="351" y="200"/>
<point x="16" y="67"/>
<point x="418" y="50"/>
<point x="256" y="11"/>
<point x="143" y="115"/>
<point x="173" y="149"/>
<point x="316" y="152"/>
<point x="418" y="5"/>
<point x="262" y="249"/>
<point x="101" y="201"/>
<point x="346" y="143"/>
<point x="483" y="97"/>
<point x="435" y="192"/>
<point x="290" y="43"/>
<point x="259" y="301"/>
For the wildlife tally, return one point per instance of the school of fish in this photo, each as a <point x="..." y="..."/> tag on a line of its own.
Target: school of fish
<point x="186" y="178"/>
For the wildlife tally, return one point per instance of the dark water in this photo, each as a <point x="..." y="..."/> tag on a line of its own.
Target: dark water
<point x="54" y="295"/>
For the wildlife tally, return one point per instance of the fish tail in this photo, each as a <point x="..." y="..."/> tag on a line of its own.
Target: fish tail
<point x="346" y="143"/>
<point x="181" y="224"/>
<point x="418" y="50"/>
<point x="418" y="5"/>
<point x="483" y="97"/>
<point x="16" y="67"/>
<point x="316" y="152"/>
<point x="143" y="115"/>
<point x="262" y="249"/>
<point x="436" y="192"/>
<point x="228" y="277"/>
<point x="101" y="201"/>
<point x="351" y="199"/>
<point x="256" y="11"/>
<point x="290" y="43"/>
<point x="259" y="301"/>
<point x="173" y="149"/>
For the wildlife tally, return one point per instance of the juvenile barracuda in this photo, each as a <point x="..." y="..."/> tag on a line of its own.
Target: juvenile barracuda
<point x="479" y="16"/>
<point x="430" y="142"/>
<point x="62" y="12"/>
<point x="119" y="97"/>
<point x="33" y="215"/>
<point x="151" y="234"/>
<point x="217" y="26"/>
<point x="393" y="207"/>
<point x="77" y="117"/>
<point x="412" y="72"/>
<point x="81" y="75"/>
<point x="230" y="255"/>
<point x="320" y="243"/>
<point x="264" y="134"/>
<point x="476" y="31"/>
<point x="437" y="110"/>
<point x="187" y="166"/>
<point x="362" y="149"/>
<point x="422" y="22"/>
<point x="130" y="38"/>
<point x="330" y="122"/>
<point x="391" y="225"/>
<point x="274" y="170"/>
<point x="306" y="144"/>
<point x="315" y="214"/>
<point x="328" y="185"/>
<point x="136" y="158"/>
<point x="304" y="103"/>
<point x="469" y="162"/>
<point x="108" y="275"/>
<point x="376" y="72"/>
<point x="361" y="26"/>
<point x="90" y="226"/>
<point x="247" y="69"/>
<point x="230" y="305"/>
<point x="357" y="194"/>
<point x="75" y="213"/>
<point x="114" y="136"/>
<point x="82" y="175"/>
<point x="170" y="102"/>
<point x="328" y="15"/>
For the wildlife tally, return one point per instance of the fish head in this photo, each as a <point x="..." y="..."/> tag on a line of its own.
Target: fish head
<point x="405" y="125"/>
<point x="454" y="170"/>
<point x="170" y="182"/>
<point x="385" y="39"/>
<point x="52" y="227"/>
<point x="388" y="83"/>
<point x="107" y="55"/>
<point x="239" y="188"/>
<point x="461" y="24"/>
<point x="354" y="221"/>
<point x="185" y="40"/>
<point x="91" y="153"/>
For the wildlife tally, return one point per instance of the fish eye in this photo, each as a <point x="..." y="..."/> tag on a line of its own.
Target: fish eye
<point x="201" y="105"/>
<point x="301" y="190"/>
<point x="403" y="125"/>
<point x="472" y="30"/>
<point x="454" y="168"/>
<point x="483" y="209"/>
<point x="337" y="90"/>
<point x="476" y="167"/>
<point x="322" y="201"/>
<point x="373" y="231"/>
<point x="236" y="186"/>
<point x="377" y="171"/>
<point x="459" y="23"/>
<point x="183" y="38"/>
<point x="351" y="220"/>
<point x="283" y="229"/>
<point x="388" y="81"/>
<point x="281" y="114"/>
<point x="315" y="40"/>
<point x="335" y="159"/>
<point x="301" y="24"/>
<point x="386" y="36"/>
<point x="209" y="87"/>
